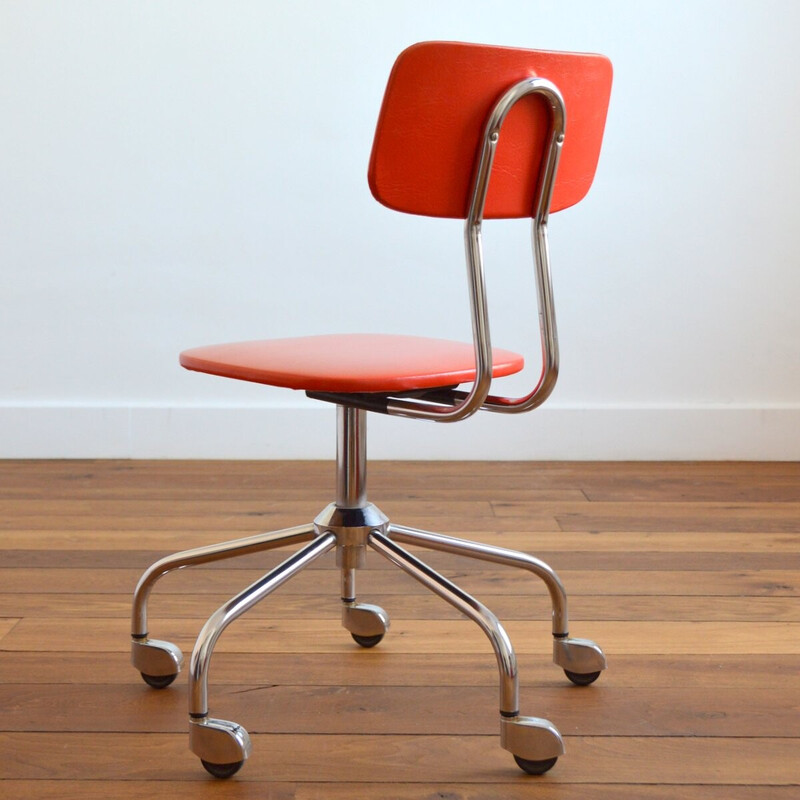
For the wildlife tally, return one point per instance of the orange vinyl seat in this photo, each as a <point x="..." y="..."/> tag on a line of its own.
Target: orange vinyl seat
<point x="344" y="363"/>
<point x="465" y="131"/>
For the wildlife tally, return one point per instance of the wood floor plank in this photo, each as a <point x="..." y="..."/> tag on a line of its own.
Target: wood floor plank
<point x="563" y="560"/>
<point x="743" y="582"/>
<point x="422" y="759"/>
<point x="422" y="606"/>
<point x="624" y="542"/>
<point x="459" y="521"/>
<point x="280" y="489"/>
<point x="688" y="575"/>
<point x="602" y="710"/>
<point x="454" y="515"/>
<point x="540" y="790"/>
<point x="660" y="516"/>
<point x="203" y="789"/>
<point x="422" y="636"/>
<point x="176" y="512"/>
<point x="354" y="667"/>
<point x="6" y="625"/>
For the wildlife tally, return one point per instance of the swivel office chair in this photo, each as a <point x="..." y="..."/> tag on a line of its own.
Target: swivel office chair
<point x="454" y="116"/>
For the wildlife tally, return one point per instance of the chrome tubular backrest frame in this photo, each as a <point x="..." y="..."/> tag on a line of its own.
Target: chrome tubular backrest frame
<point x="463" y="404"/>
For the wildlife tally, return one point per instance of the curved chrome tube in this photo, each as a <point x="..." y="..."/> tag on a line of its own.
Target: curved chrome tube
<point x="496" y="555"/>
<point x="234" y="608"/>
<point x="205" y="555"/>
<point x="467" y="403"/>
<point x="547" y="326"/>
<point x="467" y="605"/>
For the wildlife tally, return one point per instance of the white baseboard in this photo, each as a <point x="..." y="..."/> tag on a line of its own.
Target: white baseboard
<point x="307" y="432"/>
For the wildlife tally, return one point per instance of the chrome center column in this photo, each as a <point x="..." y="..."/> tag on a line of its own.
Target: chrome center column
<point x="351" y="457"/>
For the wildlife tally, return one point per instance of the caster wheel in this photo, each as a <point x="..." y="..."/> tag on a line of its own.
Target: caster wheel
<point x="582" y="678"/>
<point x="158" y="681"/>
<point x="367" y="641"/>
<point x="535" y="767"/>
<point x="222" y="770"/>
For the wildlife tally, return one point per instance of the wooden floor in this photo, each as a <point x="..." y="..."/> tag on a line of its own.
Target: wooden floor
<point x="688" y="575"/>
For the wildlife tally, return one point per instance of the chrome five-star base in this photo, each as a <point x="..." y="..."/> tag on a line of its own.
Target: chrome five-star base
<point x="351" y="524"/>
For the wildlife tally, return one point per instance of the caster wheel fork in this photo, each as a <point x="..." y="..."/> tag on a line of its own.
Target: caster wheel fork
<point x="158" y="662"/>
<point x="222" y="746"/>
<point x="581" y="659"/>
<point x="367" y="623"/>
<point x="535" y="743"/>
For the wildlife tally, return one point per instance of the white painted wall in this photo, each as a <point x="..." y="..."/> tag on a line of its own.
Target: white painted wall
<point x="182" y="172"/>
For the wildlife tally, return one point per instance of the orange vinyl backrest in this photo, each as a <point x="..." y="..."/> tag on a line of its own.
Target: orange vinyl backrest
<point x="431" y="122"/>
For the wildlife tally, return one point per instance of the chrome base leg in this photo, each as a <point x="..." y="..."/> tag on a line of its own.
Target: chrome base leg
<point x="160" y="662"/>
<point x="221" y="745"/>
<point x="534" y="742"/>
<point x="581" y="659"/>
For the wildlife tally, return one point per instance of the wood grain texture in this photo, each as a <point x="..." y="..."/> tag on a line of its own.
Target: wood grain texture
<point x="458" y="637"/>
<point x="506" y="606"/>
<point x="355" y="757"/>
<point x="688" y="575"/>
<point x="411" y="710"/>
<point x="7" y="625"/>
<point x="202" y="789"/>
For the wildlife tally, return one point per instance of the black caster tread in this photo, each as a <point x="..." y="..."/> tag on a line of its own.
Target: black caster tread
<point x="367" y="641"/>
<point x="535" y="767"/>
<point x="582" y="678"/>
<point x="158" y="681"/>
<point x="222" y="770"/>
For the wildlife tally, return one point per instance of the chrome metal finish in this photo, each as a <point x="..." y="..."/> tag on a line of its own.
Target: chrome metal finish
<point x="582" y="656"/>
<point x="497" y="555"/>
<point x="350" y="517"/>
<point x="218" y="741"/>
<point x="205" y="555"/>
<point x="351" y="526"/>
<point x="466" y="604"/>
<point x="467" y="403"/>
<point x="351" y="556"/>
<point x="155" y="657"/>
<point x="348" y="585"/>
<point x="351" y="457"/>
<point x="227" y="613"/>
<point x="364" y="619"/>
<point x="531" y="738"/>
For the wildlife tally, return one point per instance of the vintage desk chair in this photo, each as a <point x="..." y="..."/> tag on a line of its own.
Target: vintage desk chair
<point x="453" y="116"/>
